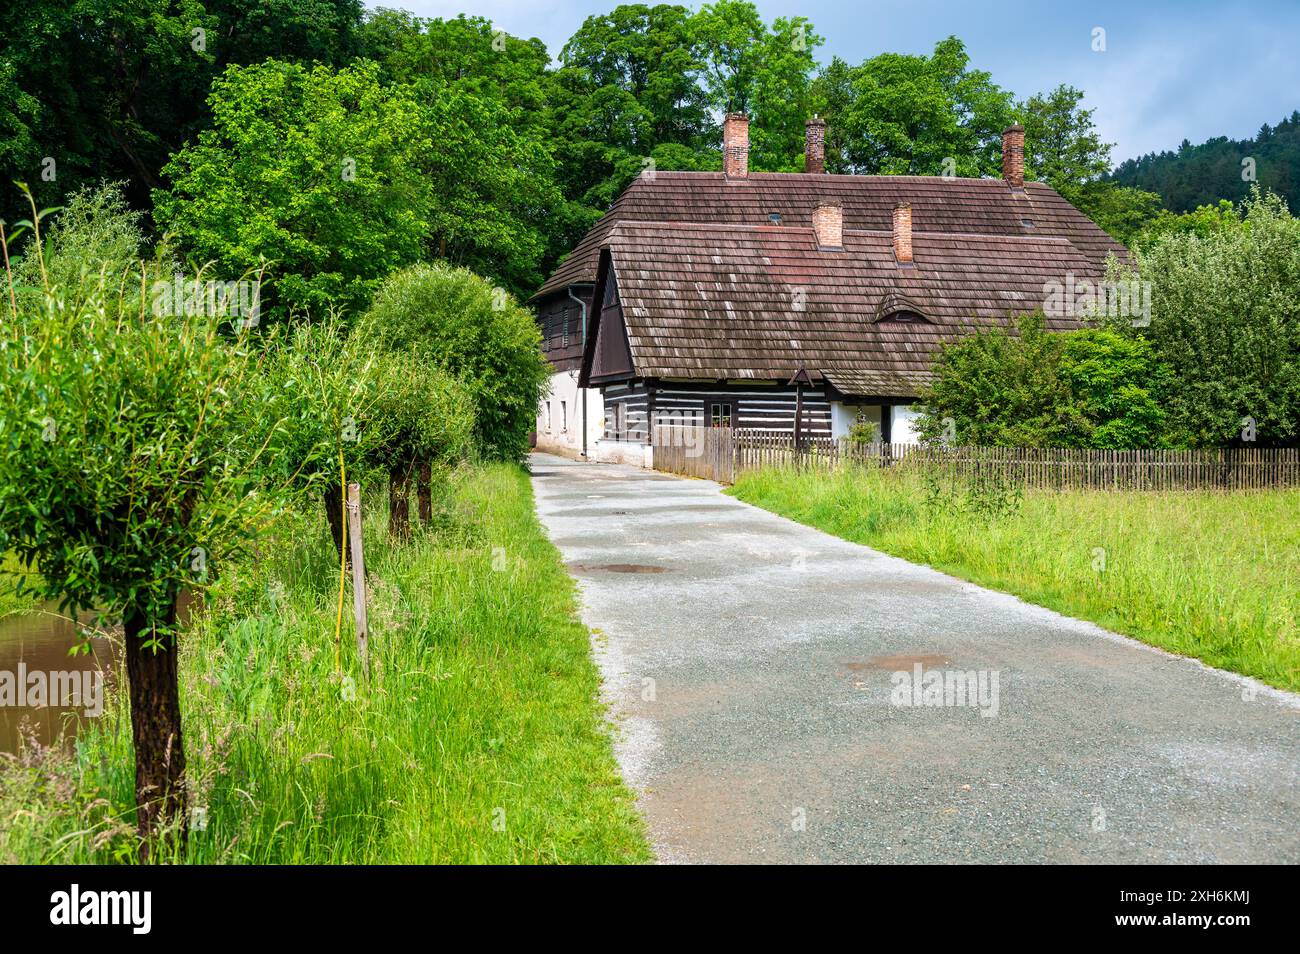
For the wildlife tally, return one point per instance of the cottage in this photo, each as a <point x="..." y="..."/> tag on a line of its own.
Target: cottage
<point x="791" y="301"/>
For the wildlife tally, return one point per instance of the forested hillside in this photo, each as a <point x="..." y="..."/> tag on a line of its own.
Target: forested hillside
<point x="1220" y="168"/>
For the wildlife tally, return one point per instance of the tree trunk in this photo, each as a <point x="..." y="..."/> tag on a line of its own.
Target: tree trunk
<point x="334" y="514"/>
<point x="399" y="503"/>
<point x="160" y="796"/>
<point x="424" y="492"/>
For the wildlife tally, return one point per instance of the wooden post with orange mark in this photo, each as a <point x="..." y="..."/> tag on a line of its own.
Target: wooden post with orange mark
<point x="358" y="574"/>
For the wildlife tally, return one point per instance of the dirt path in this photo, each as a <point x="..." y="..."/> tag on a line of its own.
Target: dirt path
<point x="751" y="664"/>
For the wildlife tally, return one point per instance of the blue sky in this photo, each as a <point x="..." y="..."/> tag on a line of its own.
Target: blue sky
<point x="1171" y="69"/>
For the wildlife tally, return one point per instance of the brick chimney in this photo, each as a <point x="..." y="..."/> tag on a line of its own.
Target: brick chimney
<point x="814" y="146"/>
<point x="903" y="234"/>
<point x="828" y="223"/>
<point x="1013" y="156"/>
<point x="735" y="146"/>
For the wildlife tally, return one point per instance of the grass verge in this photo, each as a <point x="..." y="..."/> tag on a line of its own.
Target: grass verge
<point x="478" y="738"/>
<point x="1210" y="575"/>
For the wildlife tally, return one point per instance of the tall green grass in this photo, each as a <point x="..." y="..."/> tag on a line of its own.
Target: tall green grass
<point x="477" y="738"/>
<point x="1210" y="575"/>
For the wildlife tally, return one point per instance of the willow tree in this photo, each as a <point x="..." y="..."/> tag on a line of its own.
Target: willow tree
<point x="328" y="388"/>
<point x="119" y="484"/>
<point x="423" y="420"/>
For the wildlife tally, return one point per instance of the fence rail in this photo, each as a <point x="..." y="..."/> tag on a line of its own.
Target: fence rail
<point x="720" y="453"/>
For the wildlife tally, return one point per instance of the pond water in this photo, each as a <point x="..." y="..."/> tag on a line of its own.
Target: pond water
<point x="42" y="688"/>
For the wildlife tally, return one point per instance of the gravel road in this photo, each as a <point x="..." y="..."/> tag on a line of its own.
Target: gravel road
<point x="772" y="689"/>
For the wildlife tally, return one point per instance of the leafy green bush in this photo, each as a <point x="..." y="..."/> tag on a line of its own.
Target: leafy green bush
<point x="329" y="405"/>
<point x="424" y="420"/>
<point x="92" y="245"/>
<point x="1118" y="391"/>
<point x="1035" y="388"/>
<point x="1225" y="319"/>
<point x="461" y="324"/>
<point x="315" y="407"/>
<point x="863" y="431"/>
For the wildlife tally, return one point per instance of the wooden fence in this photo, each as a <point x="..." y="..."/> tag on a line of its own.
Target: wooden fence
<point x="721" y="453"/>
<point x="708" y="452"/>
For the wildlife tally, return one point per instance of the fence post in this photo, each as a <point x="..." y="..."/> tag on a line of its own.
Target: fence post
<point x="358" y="574"/>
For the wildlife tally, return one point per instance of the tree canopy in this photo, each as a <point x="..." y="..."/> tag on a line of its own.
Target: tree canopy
<point x="333" y="179"/>
<point x="900" y="114"/>
<point x="1226" y="320"/>
<point x="476" y="147"/>
<point x="108" y="89"/>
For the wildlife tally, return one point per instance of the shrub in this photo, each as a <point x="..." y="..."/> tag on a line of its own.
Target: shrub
<point x="315" y="410"/>
<point x="91" y="246"/>
<point x="1035" y="388"/>
<point x="863" y="431"/>
<point x="424" y="421"/>
<point x="1225" y="319"/>
<point x="462" y="325"/>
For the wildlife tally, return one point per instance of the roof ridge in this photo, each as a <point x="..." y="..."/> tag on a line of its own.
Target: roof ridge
<point x="771" y="227"/>
<point x="970" y="204"/>
<point x="843" y="176"/>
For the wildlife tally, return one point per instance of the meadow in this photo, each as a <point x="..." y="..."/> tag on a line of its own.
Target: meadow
<point x="1211" y="575"/>
<point x="477" y="737"/>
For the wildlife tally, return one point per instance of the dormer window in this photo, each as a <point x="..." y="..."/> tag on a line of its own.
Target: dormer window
<point x="900" y="308"/>
<point x="905" y="317"/>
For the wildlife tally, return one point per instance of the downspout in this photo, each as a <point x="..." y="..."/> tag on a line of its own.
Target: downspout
<point x="582" y="304"/>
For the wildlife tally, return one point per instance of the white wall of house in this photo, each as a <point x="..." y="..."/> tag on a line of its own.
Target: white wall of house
<point x="559" y="424"/>
<point x="559" y="416"/>
<point x="634" y="453"/>
<point x="902" y="418"/>
<point x="903" y="426"/>
<point x="843" y="416"/>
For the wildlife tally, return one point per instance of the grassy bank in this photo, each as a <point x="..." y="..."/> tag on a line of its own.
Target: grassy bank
<point x="477" y="739"/>
<point x="1208" y="575"/>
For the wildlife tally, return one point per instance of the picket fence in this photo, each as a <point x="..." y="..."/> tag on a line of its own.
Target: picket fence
<point x="721" y="453"/>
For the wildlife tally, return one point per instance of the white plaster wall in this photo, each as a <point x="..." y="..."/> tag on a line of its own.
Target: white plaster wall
<point x="903" y="431"/>
<point x="843" y="416"/>
<point x="557" y="438"/>
<point x="621" y="452"/>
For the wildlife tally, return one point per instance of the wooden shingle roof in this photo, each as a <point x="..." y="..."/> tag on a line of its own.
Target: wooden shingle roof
<point x="955" y="206"/>
<point x="728" y="301"/>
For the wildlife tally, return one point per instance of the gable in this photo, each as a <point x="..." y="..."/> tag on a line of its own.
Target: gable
<point x="609" y="356"/>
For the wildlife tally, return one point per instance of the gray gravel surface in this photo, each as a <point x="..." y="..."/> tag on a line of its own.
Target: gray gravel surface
<point x="749" y="664"/>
